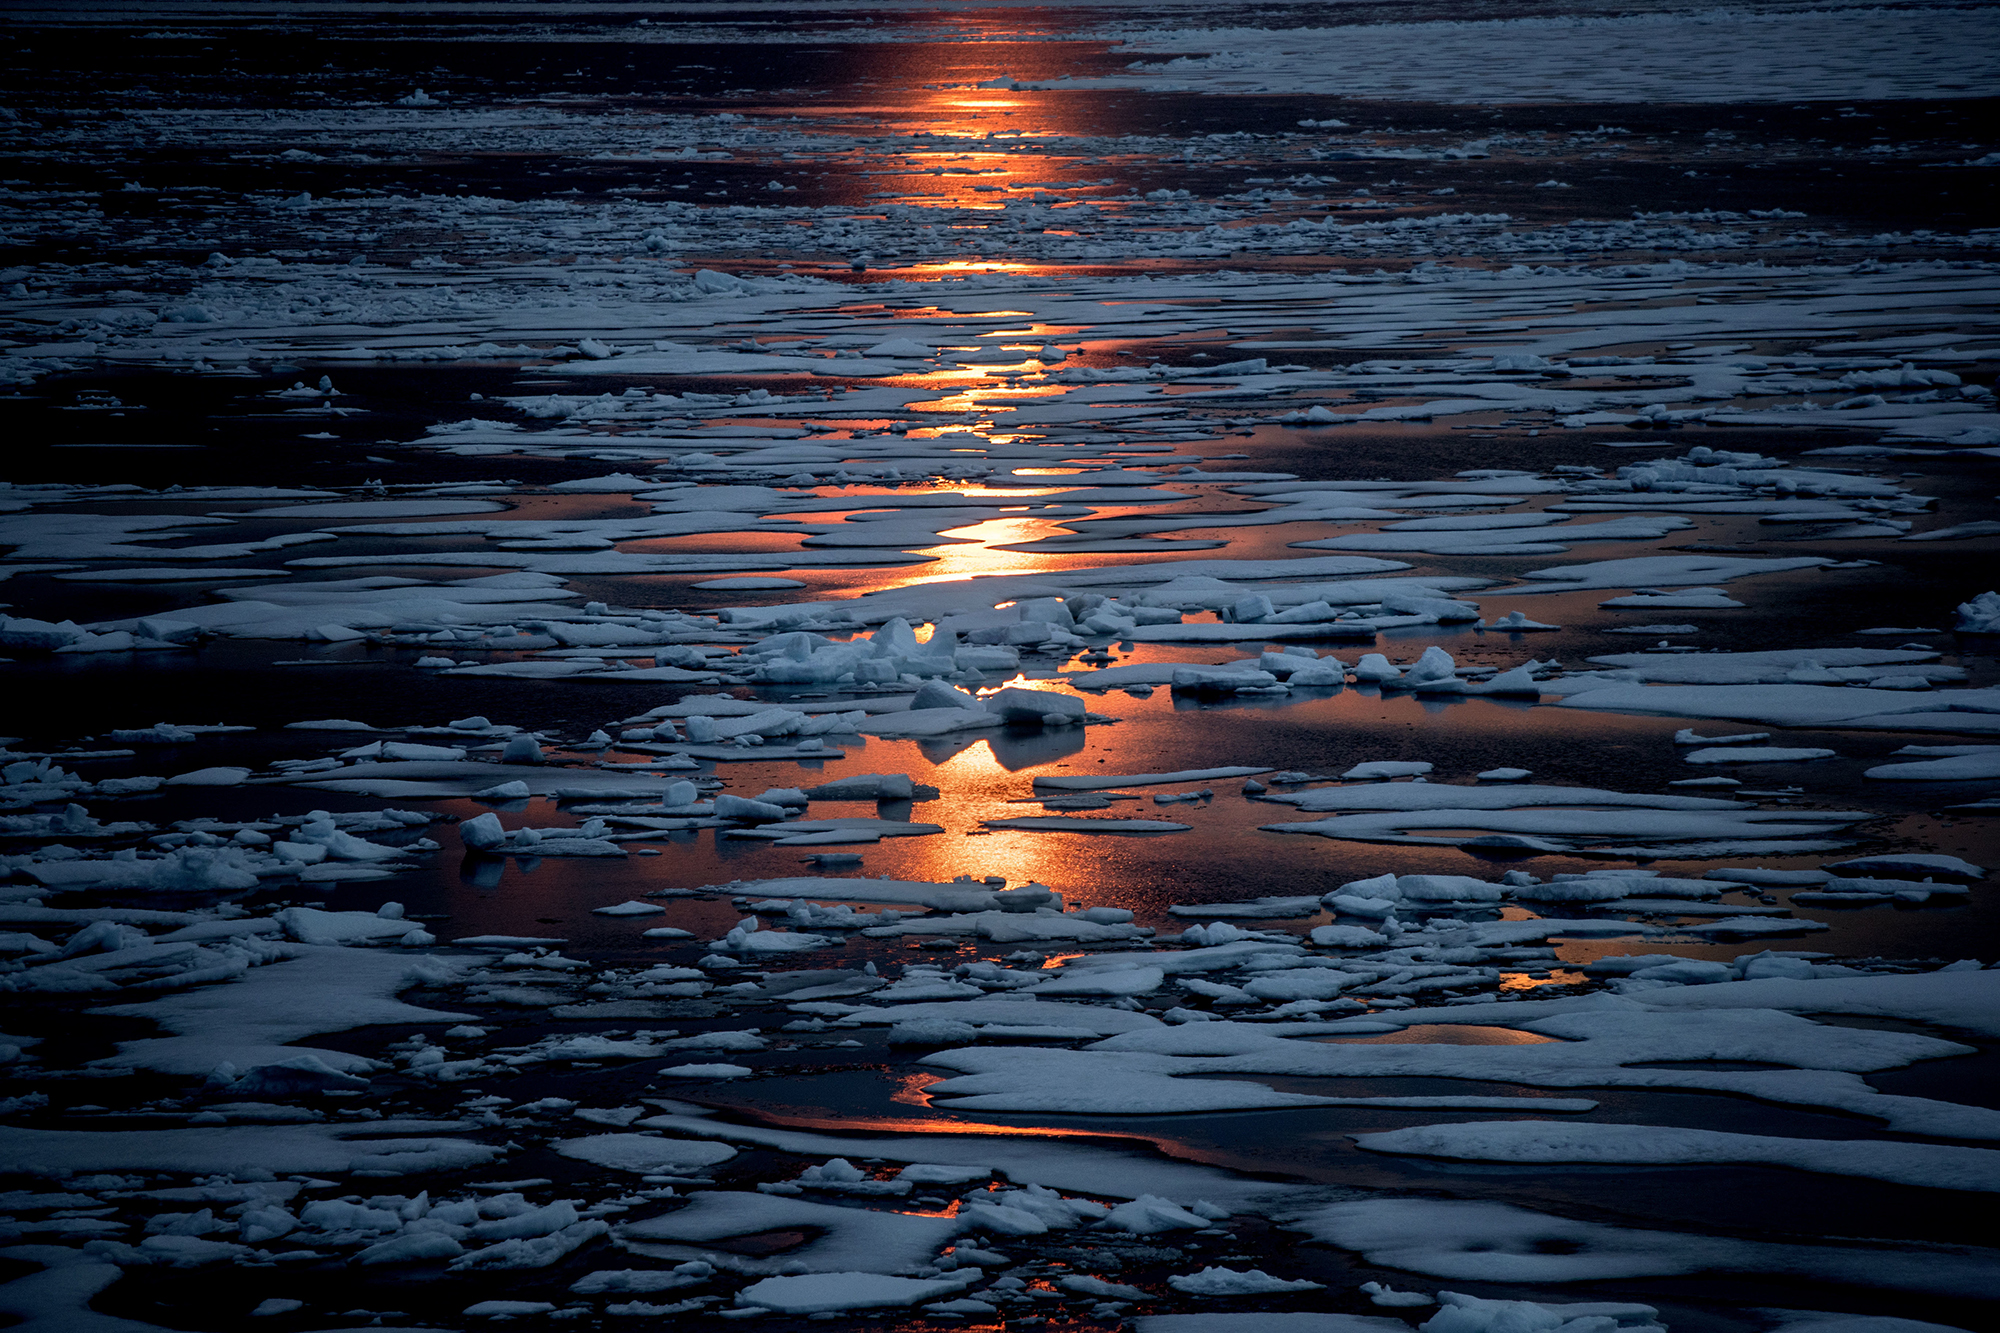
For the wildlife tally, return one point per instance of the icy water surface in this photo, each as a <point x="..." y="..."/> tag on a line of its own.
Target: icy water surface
<point x="1127" y="667"/>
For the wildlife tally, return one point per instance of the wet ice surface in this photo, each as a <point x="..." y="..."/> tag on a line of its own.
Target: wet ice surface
<point x="1137" y="668"/>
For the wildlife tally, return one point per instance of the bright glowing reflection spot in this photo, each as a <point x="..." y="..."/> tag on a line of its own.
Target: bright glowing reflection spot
<point x="957" y="561"/>
<point x="1520" y="981"/>
<point x="967" y="265"/>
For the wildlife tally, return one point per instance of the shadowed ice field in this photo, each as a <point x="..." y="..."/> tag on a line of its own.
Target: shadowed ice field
<point x="1310" y="668"/>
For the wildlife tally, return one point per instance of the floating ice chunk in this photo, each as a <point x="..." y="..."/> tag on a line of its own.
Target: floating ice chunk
<point x="1757" y="754"/>
<point x="1688" y="599"/>
<point x="1688" y="736"/>
<point x="210" y="777"/>
<point x="1751" y="927"/>
<point x="1376" y="668"/>
<point x="1397" y="811"/>
<point x="1045" y="707"/>
<point x="312" y="925"/>
<point x="827" y="1293"/>
<point x="629" y="907"/>
<point x="1574" y="889"/>
<point x="1304" y="983"/>
<point x="1504" y="774"/>
<point x="937" y="694"/>
<point x="929" y="722"/>
<point x="644" y="1153"/>
<point x="1925" y="1165"/>
<point x="236" y="1148"/>
<point x="901" y="347"/>
<point x="1498" y="1242"/>
<point x="521" y="750"/>
<point x="298" y="1076"/>
<point x="609" y="1280"/>
<point x="1150" y="1214"/>
<point x="1515" y="622"/>
<point x="1386" y="768"/>
<point x="1962" y="999"/>
<point x="1759" y="875"/>
<point x="756" y="812"/>
<point x="1927" y="864"/>
<point x="1471" y="1314"/>
<point x="1136" y="980"/>
<point x="1380" y="1294"/>
<point x="1223" y="680"/>
<point x="1448" y="888"/>
<point x="404" y="750"/>
<point x="1981" y="615"/>
<point x="1956" y="768"/>
<point x="1327" y="671"/>
<point x="933" y="1032"/>
<point x="37" y="635"/>
<point x="533" y="1251"/>
<point x="482" y="832"/>
<point x="1348" y="937"/>
<point x="846" y="1238"/>
<point x="1217" y="1281"/>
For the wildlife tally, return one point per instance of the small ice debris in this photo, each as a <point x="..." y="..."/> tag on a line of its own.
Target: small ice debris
<point x="1504" y="774"/>
<point x="1379" y="1294"/>
<point x="1386" y="768"/>
<point x="521" y="750"/>
<point x="1517" y="623"/>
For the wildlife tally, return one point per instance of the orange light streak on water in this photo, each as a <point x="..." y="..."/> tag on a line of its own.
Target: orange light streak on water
<point x="910" y="1089"/>
<point x="953" y="562"/>
<point x="1518" y="981"/>
<point x="951" y="267"/>
<point x="983" y="399"/>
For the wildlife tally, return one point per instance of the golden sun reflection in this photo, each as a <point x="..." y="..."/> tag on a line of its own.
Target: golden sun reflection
<point x="910" y="1089"/>
<point x="1521" y="981"/>
<point x="949" y="266"/>
<point x="989" y="398"/>
<point x="954" y="562"/>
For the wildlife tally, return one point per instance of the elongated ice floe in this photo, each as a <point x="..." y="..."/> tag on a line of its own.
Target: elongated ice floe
<point x="1929" y="1165"/>
<point x="1482" y="1241"/>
